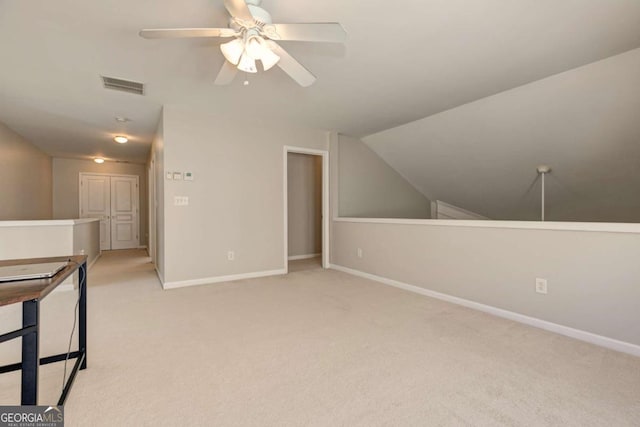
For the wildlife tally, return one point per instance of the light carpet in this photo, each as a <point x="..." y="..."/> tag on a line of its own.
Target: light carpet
<point x="317" y="348"/>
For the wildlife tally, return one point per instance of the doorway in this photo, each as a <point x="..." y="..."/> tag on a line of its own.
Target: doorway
<point x="115" y="200"/>
<point x="306" y="196"/>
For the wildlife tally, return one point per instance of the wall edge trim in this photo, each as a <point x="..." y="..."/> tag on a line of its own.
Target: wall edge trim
<point x="601" y="227"/>
<point x="306" y="256"/>
<point x="218" y="279"/>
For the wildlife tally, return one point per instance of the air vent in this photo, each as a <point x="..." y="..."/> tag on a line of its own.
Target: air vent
<point x="123" y="85"/>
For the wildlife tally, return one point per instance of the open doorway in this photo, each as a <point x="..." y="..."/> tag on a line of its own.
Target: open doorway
<point x="306" y="209"/>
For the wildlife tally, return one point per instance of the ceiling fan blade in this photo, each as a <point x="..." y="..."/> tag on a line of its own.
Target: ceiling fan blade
<point x="238" y="9"/>
<point x="227" y="74"/>
<point x="329" y="32"/>
<point x="171" y="33"/>
<point x="292" y="67"/>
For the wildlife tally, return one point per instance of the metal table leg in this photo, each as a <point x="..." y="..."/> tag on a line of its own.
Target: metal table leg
<point x="30" y="352"/>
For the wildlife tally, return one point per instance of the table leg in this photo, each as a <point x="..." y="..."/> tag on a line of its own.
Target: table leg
<point x="30" y="352"/>
<point x="82" y="313"/>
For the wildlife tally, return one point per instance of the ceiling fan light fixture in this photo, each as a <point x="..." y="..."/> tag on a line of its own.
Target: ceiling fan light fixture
<point x="257" y="49"/>
<point x="233" y="50"/>
<point x="247" y="64"/>
<point x="254" y="47"/>
<point x="269" y="59"/>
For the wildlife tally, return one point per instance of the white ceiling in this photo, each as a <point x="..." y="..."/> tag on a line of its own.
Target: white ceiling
<point x="403" y="60"/>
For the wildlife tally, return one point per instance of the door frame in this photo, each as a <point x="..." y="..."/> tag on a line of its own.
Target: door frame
<point x="151" y="208"/>
<point x="324" y="155"/>
<point x="81" y="174"/>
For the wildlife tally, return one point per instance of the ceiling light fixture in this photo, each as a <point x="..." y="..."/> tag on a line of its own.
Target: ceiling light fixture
<point x="269" y="59"/>
<point x="252" y="31"/>
<point x="99" y="160"/>
<point x="233" y="50"/>
<point x="245" y="50"/>
<point x="121" y="139"/>
<point x="247" y="64"/>
<point x="257" y="49"/>
<point x="122" y="119"/>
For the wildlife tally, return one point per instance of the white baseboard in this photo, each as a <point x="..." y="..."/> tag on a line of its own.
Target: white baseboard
<point x="91" y="264"/>
<point x="578" y="334"/>
<point x="160" y="277"/>
<point x="307" y="256"/>
<point x="218" y="279"/>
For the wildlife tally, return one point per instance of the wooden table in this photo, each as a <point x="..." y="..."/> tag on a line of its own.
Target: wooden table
<point x="30" y="293"/>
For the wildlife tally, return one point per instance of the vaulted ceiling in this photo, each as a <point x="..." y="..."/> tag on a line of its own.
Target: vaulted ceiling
<point x="403" y="61"/>
<point x="482" y="156"/>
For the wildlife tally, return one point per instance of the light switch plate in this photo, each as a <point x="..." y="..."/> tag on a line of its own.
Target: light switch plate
<point x="188" y="176"/>
<point x="169" y="175"/>
<point x="177" y="176"/>
<point x="181" y="201"/>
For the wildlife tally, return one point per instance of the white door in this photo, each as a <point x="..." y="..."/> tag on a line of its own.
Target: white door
<point x="95" y="202"/>
<point x="124" y="212"/>
<point x="113" y="199"/>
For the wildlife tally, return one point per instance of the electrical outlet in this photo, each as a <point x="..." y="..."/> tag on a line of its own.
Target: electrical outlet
<point x="541" y="286"/>
<point x="231" y="256"/>
<point x="359" y="252"/>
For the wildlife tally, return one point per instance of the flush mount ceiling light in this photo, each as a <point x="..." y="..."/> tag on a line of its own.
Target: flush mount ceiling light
<point x="122" y="119"/>
<point x="99" y="160"/>
<point x="253" y="39"/>
<point x="121" y="139"/>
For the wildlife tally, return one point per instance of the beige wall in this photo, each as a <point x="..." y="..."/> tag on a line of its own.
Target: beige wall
<point x="304" y="185"/>
<point x="236" y="201"/>
<point x="593" y="277"/>
<point x="370" y="188"/>
<point x="66" y="196"/>
<point x="25" y="179"/>
<point x="157" y="159"/>
<point x="26" y="239"/>
<point x="86" y="240"/>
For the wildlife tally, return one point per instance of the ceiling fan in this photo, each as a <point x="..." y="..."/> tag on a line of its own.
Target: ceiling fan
<point x="253" y="37"/>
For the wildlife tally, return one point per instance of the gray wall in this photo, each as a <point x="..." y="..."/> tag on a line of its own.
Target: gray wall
<point x="593" y="277"/>
<point x="25" y="179"/>
<point x="304" y="186"/>
<point x="370" y="188"/>
<point x="66" y="196"/>
<point x="236" y="201"/>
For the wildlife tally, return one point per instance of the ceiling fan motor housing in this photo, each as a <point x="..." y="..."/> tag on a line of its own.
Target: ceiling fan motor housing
<point x="260" y="14"/>
<point x="543" y="169"/>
